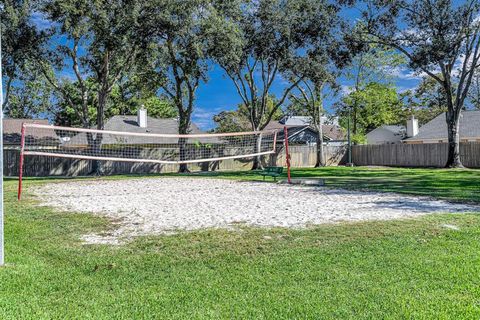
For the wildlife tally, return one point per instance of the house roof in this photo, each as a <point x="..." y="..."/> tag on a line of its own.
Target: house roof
<point x="154" y="126"/>
<point x="394" y="129"/>
<point x="12" y="130"/>
<point x="15" y="125"/>
<point x="386" y="134"/>
<point x="332" y="132"/>
<point x="436" y="129"/>
<point x="296" y="120"/>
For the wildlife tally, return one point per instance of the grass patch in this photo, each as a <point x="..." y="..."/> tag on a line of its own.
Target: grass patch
<point x="395" y="269"/>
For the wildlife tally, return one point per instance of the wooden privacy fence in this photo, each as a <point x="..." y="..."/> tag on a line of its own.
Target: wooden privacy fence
<point x="414" y="155"/>
<point x="38" y="166"/>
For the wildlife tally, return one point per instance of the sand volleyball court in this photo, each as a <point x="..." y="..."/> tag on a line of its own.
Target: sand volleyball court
<point x="162" y="205"/>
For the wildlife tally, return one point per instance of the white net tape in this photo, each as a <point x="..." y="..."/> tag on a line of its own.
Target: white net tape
<point x="53" y="141"/>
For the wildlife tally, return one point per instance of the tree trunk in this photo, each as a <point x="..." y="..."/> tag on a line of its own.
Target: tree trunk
<point x="257" y="160"/>
<point x="320" y="152"/>
<point x="256" y="164"/>
<point x="97" y="168"/>
<point x="453" y="125"/>
<point x="354" y="121"/>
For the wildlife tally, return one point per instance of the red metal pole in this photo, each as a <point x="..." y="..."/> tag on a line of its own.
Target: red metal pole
<point x="287" y="155"/>
<point x="20" y="169"/>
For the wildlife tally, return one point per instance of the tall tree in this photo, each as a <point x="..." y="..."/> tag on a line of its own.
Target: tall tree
<point x="101" y="44"/>
<point x="310" y="94"/>
<point x="474" y="93"/>
<point x="317" y="73"/>
<point x="133" y="93"/>
<point x="31" y="96"/>
<point x="311" y="99"/>
<point x="436" y="36"/>
<point x="269" y="38"/>
<point x="182" y="32"/>
<point x="125" y="99"/>
<point x="239" y="119"/>
<point x="377" y="104"/>
<point x="371" y="63"/>
<point x="20" y="42"/>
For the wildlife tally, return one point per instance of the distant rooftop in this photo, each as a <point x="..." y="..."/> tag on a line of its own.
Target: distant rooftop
<point x="306" y="120"/>
<point x="297" y="124"/>
<point x="437" y="129"/>
<point x="296" y="120"/>
<point x="395" y="129"/>
<point x="12" y="130"/>
<point x="154" y="126"/>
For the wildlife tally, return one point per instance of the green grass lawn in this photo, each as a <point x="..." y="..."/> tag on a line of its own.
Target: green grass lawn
<point x="390" y="270"/>
<point x="455" y="185"/>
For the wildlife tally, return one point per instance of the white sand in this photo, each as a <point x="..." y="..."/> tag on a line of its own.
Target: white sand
<point x="160" y="205"/>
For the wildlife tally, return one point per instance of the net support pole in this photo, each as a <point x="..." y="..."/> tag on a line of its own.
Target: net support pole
<point x="20" y="167"/>
<point x="287" y="154"/>
<point x="2" y="242"/>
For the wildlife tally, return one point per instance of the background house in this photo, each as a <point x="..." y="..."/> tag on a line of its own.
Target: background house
<point x="12" y="132"/>
<point x="387" y="134"/>
<point x="141" y="123"/>
<point x="392" y="134"/>
<point x="301" y="132"/>
<point x="435" y="131"/>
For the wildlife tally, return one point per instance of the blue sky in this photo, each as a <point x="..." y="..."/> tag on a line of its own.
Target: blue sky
<point x="219" y="92"/>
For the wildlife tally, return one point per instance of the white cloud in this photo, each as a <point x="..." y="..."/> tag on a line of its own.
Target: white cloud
<point x="203" y="117"/>
<point x="346" y="90"/>
<point x="41" y="21"/>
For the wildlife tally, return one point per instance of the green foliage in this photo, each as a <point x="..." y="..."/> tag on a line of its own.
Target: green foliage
<point x="176" y="59"/>
<point x="101" y="45"/>
<point x="371" y="71"/>
<point x="231" y="121"/>
<point x="433" y="35"/>
<point x="269" y="39"/>
<point x="177" y="56"/>
<point x="426" y="101"/>
<point x="125" y="99"/>
<point x="159" y="107"/>
<point x="375" y="105"/>
<point x="474" y="93"/>
<point x="68" y="111"/>
<point x="374" y="63"/>
<point x="30" y="96"/>
<point x="21" y="42"/>
<point x="239" y="120"/>
<point x="297" y="108"/>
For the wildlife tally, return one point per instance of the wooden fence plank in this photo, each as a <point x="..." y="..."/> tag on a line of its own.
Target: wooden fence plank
<point x="414" y="155"/>
<point x="38" y="166"/>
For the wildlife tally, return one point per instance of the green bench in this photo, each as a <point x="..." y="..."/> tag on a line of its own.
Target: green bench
<point x="271" y="172"/>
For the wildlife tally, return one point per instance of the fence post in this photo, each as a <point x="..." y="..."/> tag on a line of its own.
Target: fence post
<point x="287" y="155"/>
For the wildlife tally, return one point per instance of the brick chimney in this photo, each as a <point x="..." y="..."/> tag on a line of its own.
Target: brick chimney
<point x="412" y="127"/>
<point x="142" y="117"/>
